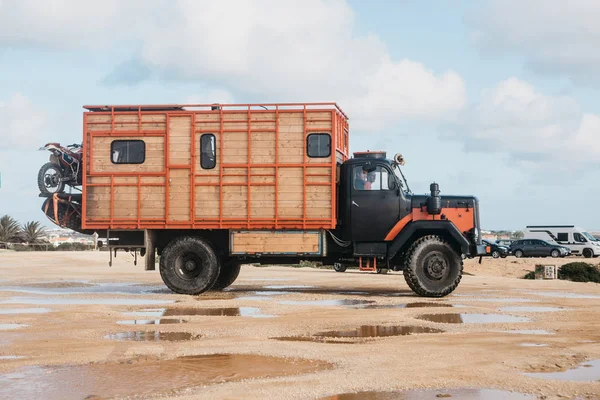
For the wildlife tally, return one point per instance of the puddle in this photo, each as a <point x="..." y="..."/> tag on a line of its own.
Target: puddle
<point x="435" y="394"/>
<point x="11" y="357"/>
<point x="378" y="331"/>
<point x="533" y="345"/>
<point x="496" y="299"/>
<point x="587" y="371"/>
<point x="24" y="310"/>
<point x="472" y="318"/>
<point x="269" y="279"/>
<point x="154" y="312"/>
<point x="10" y="327"/>
<point x="565" y="295"/>
<point x="273" y="293"/>
<point x="161" y="321"/>
<point x="83" y="288"/>
<point x="252" y="312"/>
<point x="346" y="302"/>
<point x="152" y="336"/>
<point x="409" y="305"/>
<point x="527" y="332"/>
<point x="80" y="301"/>
<point x="167" y="376"/>
<point x="531" y="309"/>
<point x="289" y="287"/>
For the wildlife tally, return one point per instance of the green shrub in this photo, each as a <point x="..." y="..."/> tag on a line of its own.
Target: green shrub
<point x="529" y="275"/>
<point x="579" y="272"/>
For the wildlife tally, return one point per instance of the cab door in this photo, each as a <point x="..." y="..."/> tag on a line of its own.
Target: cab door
<point x="374" y="201"/>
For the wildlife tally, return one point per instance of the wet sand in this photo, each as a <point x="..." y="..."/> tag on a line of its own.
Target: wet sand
<point x="89" y="330"/>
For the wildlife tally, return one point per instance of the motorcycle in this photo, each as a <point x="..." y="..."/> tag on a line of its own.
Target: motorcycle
<point x="63" y="169"/>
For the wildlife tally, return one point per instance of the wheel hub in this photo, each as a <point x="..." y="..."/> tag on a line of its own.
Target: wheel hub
<point x="189" y="265"/>
<point x="436" y="267"/>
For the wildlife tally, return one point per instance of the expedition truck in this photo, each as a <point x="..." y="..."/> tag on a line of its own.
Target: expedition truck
<point x="211" y="187"/>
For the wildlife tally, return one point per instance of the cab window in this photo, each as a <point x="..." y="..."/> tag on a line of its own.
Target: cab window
<point x="579" y="237"/>
<point x="368" y="177"/>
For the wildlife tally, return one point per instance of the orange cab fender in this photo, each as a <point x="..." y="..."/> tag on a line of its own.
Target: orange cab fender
<point x="429" y="227"/>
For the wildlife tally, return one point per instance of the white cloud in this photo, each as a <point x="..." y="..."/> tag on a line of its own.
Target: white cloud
<point x="267" y="50"/>
<point x="555" y="36"/>
<point x="535" y="129"/>
<point x="22" y="123"/>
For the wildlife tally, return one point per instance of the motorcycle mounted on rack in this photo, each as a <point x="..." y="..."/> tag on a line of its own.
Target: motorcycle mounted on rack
<point x="63" y="169"/>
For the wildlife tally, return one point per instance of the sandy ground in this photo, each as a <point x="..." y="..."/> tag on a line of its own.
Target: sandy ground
<point x="56" y="322"/>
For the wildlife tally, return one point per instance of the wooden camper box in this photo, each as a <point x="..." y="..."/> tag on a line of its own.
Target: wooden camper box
<point x="145" y="167"/>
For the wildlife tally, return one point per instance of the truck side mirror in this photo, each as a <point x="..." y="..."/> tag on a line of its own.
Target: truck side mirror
<point x="392" y="182"/>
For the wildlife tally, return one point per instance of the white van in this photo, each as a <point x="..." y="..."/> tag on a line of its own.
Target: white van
<point x="575" y="238"/>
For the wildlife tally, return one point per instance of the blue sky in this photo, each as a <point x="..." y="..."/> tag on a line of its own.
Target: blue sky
<point x="492" y="98"/>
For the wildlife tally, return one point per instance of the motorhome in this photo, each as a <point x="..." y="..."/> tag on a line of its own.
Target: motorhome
<point x="575" y="238"/>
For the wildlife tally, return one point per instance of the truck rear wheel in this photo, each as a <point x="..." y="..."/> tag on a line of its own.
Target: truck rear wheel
<point x="188" y="265"/>
<point x="432" y="267"/>
<point x="229" y="272"/>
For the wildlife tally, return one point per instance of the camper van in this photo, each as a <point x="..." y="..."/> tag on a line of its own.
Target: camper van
<point x="575" y="238"/>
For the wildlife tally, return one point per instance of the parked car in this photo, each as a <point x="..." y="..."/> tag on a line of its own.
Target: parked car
<point x="504" y="242"/>
<point x="537" y="248"/>
<point x="496" y="250"/>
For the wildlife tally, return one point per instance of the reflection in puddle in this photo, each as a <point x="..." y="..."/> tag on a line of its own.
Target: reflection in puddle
<point x="161" y="321"/>
<point x="566" y="295"/>
<point x="346" y="302"/>
<point x="472" y="318"/>
<point x="433" y="394"/>
<point x="587" y="371"/>
<point x="80" y="301"/>
<point x="24" y="310"/>
<point x="531" y="309"/>
<point x="533" y="345"/>
<point x="272" y="293"/>
<point x="150" y="313"/>
<point x="11" y="357"/>
<point x="152" y="336"/>
<point x="364" y="331"/>
<point x="409" y="305"/>
<point x="10" y="327"/>
<point x="378" y="331"/>
<point x="115" y="380"/>
<point x="252" y="312"/>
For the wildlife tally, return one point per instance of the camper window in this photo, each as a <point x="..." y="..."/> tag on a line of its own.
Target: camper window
<point x="208" y="151"/>
<point x="318" y="145"/>
<point x="562" y="237"/>
<point x="128" y="151"/>
<point x="579" y="237"/>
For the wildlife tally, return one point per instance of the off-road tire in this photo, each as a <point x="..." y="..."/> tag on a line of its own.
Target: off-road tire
<point x="188" y="265"/>
<point x="495" y="254"/>
<point x="588" y="253"/>
<point x="420" y="278"/>
<point x="382" y="271"/>
<point x="41" y="181"/>
<point x="519" y="253"/>
<point x="229" y="272"/>
<point x="337" y="267"/>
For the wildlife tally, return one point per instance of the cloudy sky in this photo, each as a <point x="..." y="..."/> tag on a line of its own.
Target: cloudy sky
<point x="493" y="98"/>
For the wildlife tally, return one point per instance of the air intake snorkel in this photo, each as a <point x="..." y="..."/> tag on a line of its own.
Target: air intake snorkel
<point x="434" y="201"/>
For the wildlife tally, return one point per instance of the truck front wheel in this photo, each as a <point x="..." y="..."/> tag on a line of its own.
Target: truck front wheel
<point x="228" y="274"/>
<point x="188" y="265"/>
<point x="432" y="267"/>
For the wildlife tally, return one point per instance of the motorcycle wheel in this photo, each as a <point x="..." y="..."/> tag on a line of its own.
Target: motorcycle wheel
<point x="49" y="179"/>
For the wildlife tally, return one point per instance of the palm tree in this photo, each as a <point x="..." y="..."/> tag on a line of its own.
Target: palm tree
<point x="33" y="232"/>
<point x="9" y="228"/>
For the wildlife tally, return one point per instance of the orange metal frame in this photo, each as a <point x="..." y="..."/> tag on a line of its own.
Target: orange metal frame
<point x="339" y="144"/>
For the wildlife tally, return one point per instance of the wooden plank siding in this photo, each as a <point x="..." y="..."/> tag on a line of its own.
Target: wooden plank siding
<point x="262" y="178"/>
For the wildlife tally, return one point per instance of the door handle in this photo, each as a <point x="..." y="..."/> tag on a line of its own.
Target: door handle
<point x="354" y="203"/>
